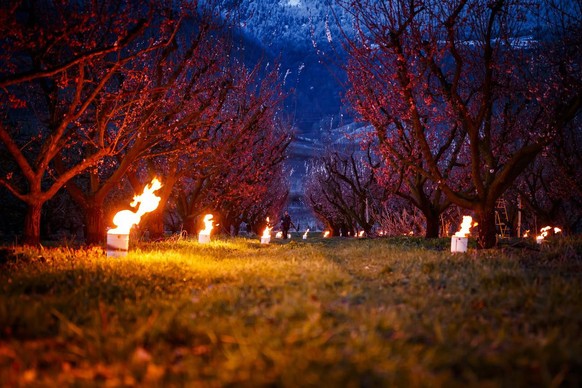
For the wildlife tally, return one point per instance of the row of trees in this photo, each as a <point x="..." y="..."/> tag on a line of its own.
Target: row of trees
<point x="96" y="95"/>
<point x="462" y="104"/>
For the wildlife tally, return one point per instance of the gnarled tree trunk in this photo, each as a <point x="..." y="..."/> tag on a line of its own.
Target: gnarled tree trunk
<point x="32" y="223"/>
<point x="486" y="237"/>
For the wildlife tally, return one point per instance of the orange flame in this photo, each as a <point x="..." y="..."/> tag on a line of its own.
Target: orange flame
<point x="326" y="233"/>
<point x="147" y="201"/>
<point x="207" y="224"/>
<point x="267" y="231"/>
<point x="544" y="232"/>
<point x="466" y="226"/>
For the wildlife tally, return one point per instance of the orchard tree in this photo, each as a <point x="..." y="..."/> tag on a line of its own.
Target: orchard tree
<point x="457" y="95"/>
<point x="242" y="155"/>
<point x="59" y="62"/>
<point x="343" y="191"/>
<point x="551" y="188"/>
<point x="168" y="99"/>
<point x="415" y="188"/>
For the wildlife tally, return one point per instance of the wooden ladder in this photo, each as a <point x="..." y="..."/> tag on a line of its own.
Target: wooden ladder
<point x="501" y="218"/>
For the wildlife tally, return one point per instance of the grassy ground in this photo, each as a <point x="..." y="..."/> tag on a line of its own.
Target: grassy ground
<point x="320" y="312"/>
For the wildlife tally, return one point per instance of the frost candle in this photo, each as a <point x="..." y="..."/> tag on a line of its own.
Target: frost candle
<point x="204" y="234"/>
<point x="459" y="240"/>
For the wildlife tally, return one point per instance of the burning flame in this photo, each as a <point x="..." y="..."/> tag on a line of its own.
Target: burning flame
<point x="147" y="201"/>
<point x="544" y="232"/>
<point x="326" y="233"/>
<point x="361" y="233"/>
<point x="466" y="226"/>
<point x="305" y="234"/>
<point x="207" y="224"/>
<point x="279" y="235"/>
<point x="267" y="231"/>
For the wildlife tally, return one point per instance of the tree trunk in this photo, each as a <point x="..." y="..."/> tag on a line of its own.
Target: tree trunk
<point x="32" y="223"/>
<point x="432" y="225"/>
<point x="155" y="224"/>
<point x="191" y="226"/>
<point x="487" y="234"/>
<point x="94" y="223"/>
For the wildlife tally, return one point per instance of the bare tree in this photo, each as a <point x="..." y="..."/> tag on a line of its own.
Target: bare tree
<point x="456" y="96"/>
<point x="342" y="189"/>
<point x="58" y="60"/>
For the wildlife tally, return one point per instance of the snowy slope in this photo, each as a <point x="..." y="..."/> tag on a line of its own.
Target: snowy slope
<point x="295" y="24"/>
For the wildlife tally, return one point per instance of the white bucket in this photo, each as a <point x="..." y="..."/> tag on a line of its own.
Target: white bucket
<point x="203" y="238"/>
<point x="265" y="240"/>
<point x="459" y="244"/>
<point x="117" y="245"/>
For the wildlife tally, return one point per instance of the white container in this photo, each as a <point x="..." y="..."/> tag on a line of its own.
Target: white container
<point x="459" y="244"/>
<point x="203" y="238"/>
<point x="265" y="240"/>
<point x="117" y="244"/>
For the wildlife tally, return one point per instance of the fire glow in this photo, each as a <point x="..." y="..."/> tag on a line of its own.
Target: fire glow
<point x="204" y="234"/>
<point x="147" y="201"/>
<point x="326" y="234"/>
<point x="466" y="226"/>
<point x="266" y="237"/>
<point x="118" y="238"/>
<point x="459" y="240"/>
<point x="305" y="234"/>
<point x="545" y="231"/>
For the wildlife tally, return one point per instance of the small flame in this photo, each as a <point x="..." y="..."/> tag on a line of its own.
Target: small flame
<point x="207" y="224"/>
<point x="305" y="234"/>
<point x="361" y="233"/>
<point x="326" y="233"/>
<point x="466" y="226"/>
<point x="279" y="235"/>
<point x="544" y="232"/>
<point x="147" y="201"/>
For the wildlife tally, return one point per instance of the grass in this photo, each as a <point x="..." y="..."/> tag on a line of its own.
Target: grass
<point x="319" y="312"/>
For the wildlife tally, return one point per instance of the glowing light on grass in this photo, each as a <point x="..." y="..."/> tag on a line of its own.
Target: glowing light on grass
<point x="279" y="235"/>
<point x="204" y="234"/>
<point x="305" y="234"/>
<point x="326" y="234"/>
<point x="459" y="240"/>
<point x="118" y="238"/>
<point x="360" y="233"/>
<point x="545" y="231"/>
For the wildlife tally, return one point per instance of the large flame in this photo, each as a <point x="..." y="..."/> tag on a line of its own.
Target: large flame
<point x="207" y="224"/>
<point x="466" y="226"/>
<point x="147" y="201"/>
<point x="267" y="231"/>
